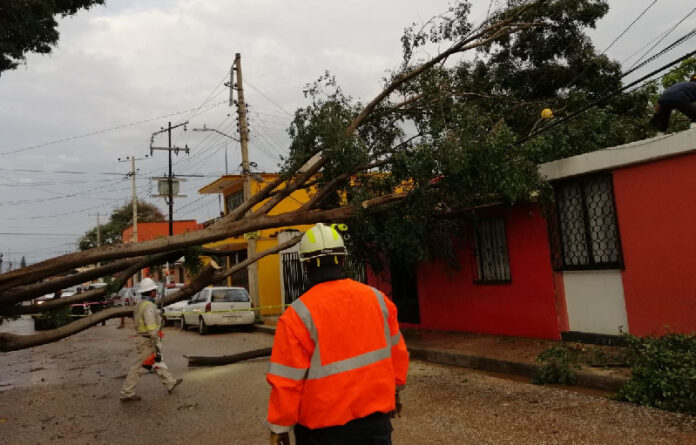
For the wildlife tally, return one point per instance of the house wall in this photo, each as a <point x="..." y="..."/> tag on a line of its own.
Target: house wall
<point x="449" y="299"/>
<point x="269" y="278"/>
<point x="656" y="210"/>
<point x="152" y="230"/>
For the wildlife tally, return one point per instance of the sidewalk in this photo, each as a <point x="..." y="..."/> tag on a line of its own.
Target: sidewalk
<point x="492" y="353"/>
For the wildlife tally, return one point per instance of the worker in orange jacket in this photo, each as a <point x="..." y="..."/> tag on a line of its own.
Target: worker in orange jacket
<point x="338" y="357"/>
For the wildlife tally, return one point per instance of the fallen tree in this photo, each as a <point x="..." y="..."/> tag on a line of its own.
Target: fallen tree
<point x="424" y="146"/>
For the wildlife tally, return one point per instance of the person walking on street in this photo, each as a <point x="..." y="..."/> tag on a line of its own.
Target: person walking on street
<point x="680" y="96"/>
<point x="148" y="344"/>
<point x="338" y="358"/>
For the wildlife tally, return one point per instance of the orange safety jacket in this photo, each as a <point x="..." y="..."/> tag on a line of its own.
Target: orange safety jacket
<point x="338" y="355"/>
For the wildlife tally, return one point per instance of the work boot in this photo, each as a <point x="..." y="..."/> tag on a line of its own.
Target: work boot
<point x="178" y="381"/>
<point x="133" y="398"/>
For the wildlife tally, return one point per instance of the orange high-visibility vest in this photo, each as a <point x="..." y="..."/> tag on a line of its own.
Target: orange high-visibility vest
<point x="338" y="355"/>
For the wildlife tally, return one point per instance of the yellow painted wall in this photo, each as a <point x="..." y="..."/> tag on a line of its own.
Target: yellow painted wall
<point x="269" y="266"/>
<point x="269" y="278"/>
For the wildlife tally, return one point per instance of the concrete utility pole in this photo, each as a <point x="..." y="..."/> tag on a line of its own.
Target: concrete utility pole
<point x="98" y="232"/>
<point x="134" y="202"/>
<point x="170" y="178"/>
<point x="252" y="269"/>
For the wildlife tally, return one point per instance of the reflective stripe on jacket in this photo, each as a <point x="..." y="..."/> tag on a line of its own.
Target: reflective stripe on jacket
<point x="146" y="318"/>
<point x="337" y="355"/>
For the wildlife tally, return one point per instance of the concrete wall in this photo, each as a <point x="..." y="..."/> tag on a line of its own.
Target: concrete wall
<point x="449" y="299"/>
<point x="595" y="301"/>
<point x="656" y="207"/>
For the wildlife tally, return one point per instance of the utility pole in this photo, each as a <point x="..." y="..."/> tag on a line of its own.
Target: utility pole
<point x="253" y="271"/>
<point x="170" y="178"/>
<point x="134" y="202"/>
<point x="98" y="232"/>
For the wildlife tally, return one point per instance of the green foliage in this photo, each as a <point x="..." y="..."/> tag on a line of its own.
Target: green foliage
<point x="560" y="364"/>
<point x="52" y="319"/>
<point x="448" y="135"/>
<point x="663" y="372"/>
<point x="30" y="26"/>
<point x="686" y="69"/>
<point x="192" y="260"/>
<point x="120" y="219"/>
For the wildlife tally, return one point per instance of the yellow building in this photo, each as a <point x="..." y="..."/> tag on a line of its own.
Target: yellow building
<point x="271" y="290"/>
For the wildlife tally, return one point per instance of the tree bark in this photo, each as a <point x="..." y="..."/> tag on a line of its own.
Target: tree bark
<point x="228" y="359"/>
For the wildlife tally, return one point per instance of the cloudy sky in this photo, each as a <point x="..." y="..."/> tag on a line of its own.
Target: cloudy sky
<point x="122" y="71"/>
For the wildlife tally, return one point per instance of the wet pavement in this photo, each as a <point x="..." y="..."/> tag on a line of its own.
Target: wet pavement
<point x="67" y="392"/>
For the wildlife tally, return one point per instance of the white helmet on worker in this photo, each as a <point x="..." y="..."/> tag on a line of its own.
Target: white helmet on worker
<point x="322" y="241"/>
<point x="146" y="285"/>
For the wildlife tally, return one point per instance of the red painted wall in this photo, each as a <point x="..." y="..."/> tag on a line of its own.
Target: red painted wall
<point x="656" y="210"/>
<point x="152" y="230"/>
<point x="449" y="300"/>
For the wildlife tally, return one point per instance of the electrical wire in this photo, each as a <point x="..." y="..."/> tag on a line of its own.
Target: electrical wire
<point x="602" y="99"/>
<point x="663" y="37"/>
<point x="93" y="133"/>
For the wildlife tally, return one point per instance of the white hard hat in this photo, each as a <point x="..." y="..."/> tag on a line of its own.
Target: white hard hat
<point x="146" y="285"/>
<point x="321" y="240"/>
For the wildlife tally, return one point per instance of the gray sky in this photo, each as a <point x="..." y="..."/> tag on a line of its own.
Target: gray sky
<point x="144" y="61"/>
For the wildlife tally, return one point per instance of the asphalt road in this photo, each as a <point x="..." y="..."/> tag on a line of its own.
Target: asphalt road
<point x="68" y="392"/>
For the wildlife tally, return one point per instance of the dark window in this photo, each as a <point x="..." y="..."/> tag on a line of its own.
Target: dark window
<point x="234" y="200"/>
<point x="588" y="235"/>
<point x="490" y="251"/>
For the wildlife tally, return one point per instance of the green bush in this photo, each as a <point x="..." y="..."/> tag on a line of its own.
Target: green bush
<point x="52" y="319"/>
<point x="560" y="363"/>
<point x="663" y="372"/>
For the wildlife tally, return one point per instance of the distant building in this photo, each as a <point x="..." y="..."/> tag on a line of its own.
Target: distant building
<point x="151" y="230"/>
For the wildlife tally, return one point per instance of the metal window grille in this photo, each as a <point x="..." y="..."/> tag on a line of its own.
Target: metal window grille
<point x="490" y="250"/>
<point x="294" y="278"/>
<point x="586" y="213"/>
<point x="234" y="200"/>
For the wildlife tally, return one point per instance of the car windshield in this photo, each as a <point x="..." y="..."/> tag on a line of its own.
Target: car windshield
<point x="229" y="295"/>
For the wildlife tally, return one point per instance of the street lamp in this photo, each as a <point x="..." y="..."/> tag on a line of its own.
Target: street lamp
<point x="226" y="135"/>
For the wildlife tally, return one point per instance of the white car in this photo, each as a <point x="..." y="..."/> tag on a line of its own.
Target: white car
<point x="174" y="310"/>
<point x="218" y="306"/>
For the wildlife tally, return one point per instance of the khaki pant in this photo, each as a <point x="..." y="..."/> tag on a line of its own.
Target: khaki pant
<point x="144" y="347"/>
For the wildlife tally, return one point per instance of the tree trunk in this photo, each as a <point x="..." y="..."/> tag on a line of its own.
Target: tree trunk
<point x="228" y="359"/>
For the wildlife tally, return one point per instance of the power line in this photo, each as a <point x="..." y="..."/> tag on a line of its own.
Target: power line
<point x="119" y="127"/>
<point x="663" y="37"/>
<point x="602" y="99"/>
<point x="668" y="48"/>
<point x="269" y="99"/>
<point x="629" y="26"/>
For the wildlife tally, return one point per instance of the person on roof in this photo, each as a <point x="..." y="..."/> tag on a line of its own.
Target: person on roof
<point x="680" y="96"/>
<point x="338" y="358"/>
<point x="148" y="344"/>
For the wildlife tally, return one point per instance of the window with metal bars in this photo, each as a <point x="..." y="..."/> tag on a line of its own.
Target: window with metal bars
<point x="234" y="200"/>
<point x="588" y="234"/>
<point x="490" y="251"/>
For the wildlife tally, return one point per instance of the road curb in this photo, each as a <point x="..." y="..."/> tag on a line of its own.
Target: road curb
<point x="605" y="382"/>
<point x="609" y="383"/>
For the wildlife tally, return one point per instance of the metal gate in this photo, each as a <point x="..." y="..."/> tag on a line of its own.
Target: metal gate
<point x="295" y="281"/>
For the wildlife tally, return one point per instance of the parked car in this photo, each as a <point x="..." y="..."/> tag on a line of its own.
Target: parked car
<point x="85" y="308"/>
<point x="124" y="297"/>
<point x="218" y="306"/>
<point x="173" y="311"/>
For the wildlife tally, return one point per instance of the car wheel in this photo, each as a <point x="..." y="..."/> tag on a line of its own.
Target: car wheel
<point x="202" y="327"/>
<point x="183" y="323"/>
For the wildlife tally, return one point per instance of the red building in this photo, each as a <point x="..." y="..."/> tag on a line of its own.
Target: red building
<point x="615" y="253"/>
<point x="152" y="230"/>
